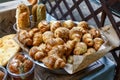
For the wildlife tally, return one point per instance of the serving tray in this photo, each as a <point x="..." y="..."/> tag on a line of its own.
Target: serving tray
<point x="46" y="74"/>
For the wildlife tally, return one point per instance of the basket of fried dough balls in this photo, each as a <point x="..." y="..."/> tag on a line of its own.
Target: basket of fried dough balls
<point x="54" y="43"/>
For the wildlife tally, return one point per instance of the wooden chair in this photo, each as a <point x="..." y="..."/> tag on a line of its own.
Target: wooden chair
<point x="111" y="9"/>
<point x="74" y="9"/>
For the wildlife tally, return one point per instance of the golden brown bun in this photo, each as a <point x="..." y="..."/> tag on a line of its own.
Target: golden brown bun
<point x="80" y="48"/>
<point x="62" y="33"/>
<point x="89" y="42"/>
<point x="43" y="26"/>
<point x="87" y="35"/>
<point x="83" y="24"/>
<point x="54" y="42"/>
<point x="70" y="44"/>
<point x="54" y="25"/>
<point x="75" y="33"/>
<point x="24" y="38"/>
<point x="47" y="35"/>
<point x="68" y="24"/>
<point x="97" y="43"/>
<point x="53" y="62"/>
<point x="32" y="31"/>
<point x="8" y="48"/>
<point x="37" y="39"/>
<point x="94" y="32"/>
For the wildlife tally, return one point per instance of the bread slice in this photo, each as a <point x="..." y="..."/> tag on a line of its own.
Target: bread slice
<point x="8" y="48"/>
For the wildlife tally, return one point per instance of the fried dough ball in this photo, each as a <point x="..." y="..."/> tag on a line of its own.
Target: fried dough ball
<point x="40" y="55"/>
<point x="70" y="44"/>
<point x="37" y="39"/>
<point x="57" y="51"/>
<point x="90" y="51"/>
<point x="97" y="43"/>
<point x="80" y="48"/>
<point x="43" y="26"/>
<point x="62" y="33"/>
<point x="32" y="31"/>
<point x="49" y="61"/>
<point x="84" y="31"/>
<point x="59" y="63"/>
<point x="89" y="41"/>
<point x="83" y="24"/>
<point x="54" y="25"/>
<point x="53" y="62"/>
<point x="53" y="42"/>
<point x="75" y="33"/>
<point x="42" y="47"/>
<point x="87" y="35"/>
<point x="24" y="38"/>
<point x="68" y="24"/>
<point x="47" y="35"/>
<point x="33" y="51"/>
<point x="94" y="32"/>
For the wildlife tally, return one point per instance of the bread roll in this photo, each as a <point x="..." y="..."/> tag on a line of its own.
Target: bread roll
<point x="83" y="24"/>
<point x="80" y="48"/>
<point x="43" y="26"/>
<point x="62" y="33"/>
<point x="54" y="25"/>
<point x="41" y="12"/>
<point x="47" y="35"/>
<point x="68" y="24"/>
<point x="75" y="33"/>
<point x="22" y="16"/>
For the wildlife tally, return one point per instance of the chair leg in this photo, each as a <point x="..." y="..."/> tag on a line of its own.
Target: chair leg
<point x="103" y="17"/>
<point x="117" y="74"/>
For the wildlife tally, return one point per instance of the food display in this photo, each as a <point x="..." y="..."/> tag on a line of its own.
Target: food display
<point x="57" y="44"/>
<point x="54" y="43"/>
<point x="21" y="67"/>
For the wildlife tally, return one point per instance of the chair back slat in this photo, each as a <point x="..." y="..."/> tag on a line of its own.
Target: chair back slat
<point x="73" y="9"/>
